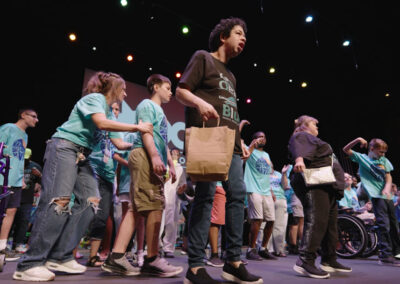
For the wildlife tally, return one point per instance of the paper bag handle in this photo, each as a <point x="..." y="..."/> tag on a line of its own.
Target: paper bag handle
<point x="204" y="123"/>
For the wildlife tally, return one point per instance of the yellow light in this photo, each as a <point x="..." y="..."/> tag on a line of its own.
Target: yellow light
<point x="272" y="70"/>
<point x="303" y="84"/>
<point x="72" y="37"/>
<point x="129" y="57"/>
<point x="387" y="95"/>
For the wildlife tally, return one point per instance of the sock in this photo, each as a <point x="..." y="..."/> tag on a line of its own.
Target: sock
<point x="3" y="244"/>
<point x="214" y="254"/>
<point x="151" y="259"/>
<point x="262" y="248"/>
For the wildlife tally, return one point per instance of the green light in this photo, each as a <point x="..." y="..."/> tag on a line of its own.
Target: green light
<point x="124" y="3"/>
<point x="185" y="30"/>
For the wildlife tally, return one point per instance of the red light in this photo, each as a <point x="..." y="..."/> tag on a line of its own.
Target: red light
<point x="129" y="57"/>
<point x="178" y="74"/>
<point x="248" y="100"/>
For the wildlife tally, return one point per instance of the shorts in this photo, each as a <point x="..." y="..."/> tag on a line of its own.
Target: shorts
<point x="218" y="209"/>
<point x="261" y="207"/>
<point x="124" y="197"/>
<point x="147" y="189"/>
<point x="293" y="220"/>
<point x="297" y="207"/>
<point x="13" y="200"/>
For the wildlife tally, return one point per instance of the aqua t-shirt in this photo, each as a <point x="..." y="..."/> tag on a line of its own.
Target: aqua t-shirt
<point x="101" y="158"/>
<point x="372" y="173"/>
<point x="275" y="179"/>
<point x="80" y="128"/>
<point x="256" y="173"/>
<point x="349" y="200"/>
<point x="16" y="140"/>
<point x="149" y="111"/>
<point x="125" y="176"/>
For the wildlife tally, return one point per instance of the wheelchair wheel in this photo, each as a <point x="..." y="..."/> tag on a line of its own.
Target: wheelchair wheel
<point x="372" y="244"/>
<point x="352" y="237"/>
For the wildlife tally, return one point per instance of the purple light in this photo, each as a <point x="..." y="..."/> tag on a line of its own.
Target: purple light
<point x="248" y="100"/>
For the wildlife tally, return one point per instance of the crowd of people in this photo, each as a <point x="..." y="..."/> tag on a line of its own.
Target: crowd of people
<point x="95" y="165"/>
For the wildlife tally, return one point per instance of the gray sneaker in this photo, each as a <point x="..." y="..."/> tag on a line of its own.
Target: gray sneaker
<point x="252" y="254"/>
<point x="120" y="266"/>
<point x="215" y="261"/>
<point x="160" y="267"/>
<point x="11" y="255"/>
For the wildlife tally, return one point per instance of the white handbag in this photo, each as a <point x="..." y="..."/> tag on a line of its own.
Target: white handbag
<point x="319" y="176"/>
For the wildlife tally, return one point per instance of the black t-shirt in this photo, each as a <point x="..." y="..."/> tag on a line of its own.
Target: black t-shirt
<point x="211" y="80"/>
<point x="316" y="153"/>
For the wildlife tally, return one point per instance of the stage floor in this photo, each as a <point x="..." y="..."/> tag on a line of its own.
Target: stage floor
<point x="273" y="271"/>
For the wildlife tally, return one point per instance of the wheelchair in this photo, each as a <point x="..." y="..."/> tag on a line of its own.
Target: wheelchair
<point x="357" y="237"/>
<point x="4" y="192"/>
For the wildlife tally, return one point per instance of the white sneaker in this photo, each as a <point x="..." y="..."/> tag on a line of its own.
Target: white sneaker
<point x="38" y="273"/>
<point x="71" y="266"/>
<point x="161" y="268"/>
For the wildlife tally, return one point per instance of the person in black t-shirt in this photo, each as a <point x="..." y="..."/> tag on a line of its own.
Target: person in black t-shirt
<point x="208" y="90"/>
<point x="306" y="150"/>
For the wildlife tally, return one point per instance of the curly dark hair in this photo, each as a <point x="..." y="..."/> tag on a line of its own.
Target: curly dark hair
<point x="224" y="28"/>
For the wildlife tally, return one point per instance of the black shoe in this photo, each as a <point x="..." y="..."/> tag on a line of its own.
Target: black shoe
<point x="253" y="255"/>
<point x="390" y="261"/>
<point x="334" y="266"/>
<point x="309" y="269"/>
<point x="265" y="254"/>
<point x="169" y="254"/>
<point x="201" y="277"/>
<point x="239" y="275"/>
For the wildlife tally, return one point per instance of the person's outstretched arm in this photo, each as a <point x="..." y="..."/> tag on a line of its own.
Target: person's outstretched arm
<point x="348" y="147"/>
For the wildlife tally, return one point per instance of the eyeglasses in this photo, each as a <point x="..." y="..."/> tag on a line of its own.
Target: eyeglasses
<point x="32" y="115"/>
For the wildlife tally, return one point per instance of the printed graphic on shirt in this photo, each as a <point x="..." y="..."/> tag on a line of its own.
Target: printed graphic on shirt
<point x="229" y="107"/>
<point x="164" y="130"/>
<point x="18" y="149"/>
<point x="262" y="166"/>
<point x="378" y="171"/>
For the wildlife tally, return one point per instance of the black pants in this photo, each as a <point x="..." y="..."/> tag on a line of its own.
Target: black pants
<point x="320" y="224"/>
<point x="388" y="230"/>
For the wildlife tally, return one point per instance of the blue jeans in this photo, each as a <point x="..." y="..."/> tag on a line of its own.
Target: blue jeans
<point x="200" y="215"/>
<point x="99" y="222"/>
<point x="388" y="230"/>
<point x="57" y="229"/>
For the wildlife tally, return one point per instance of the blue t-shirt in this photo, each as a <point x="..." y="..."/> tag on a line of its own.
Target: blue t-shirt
<point x="80" y="128"/>
<point x="372" y="173"/>
<point x="349" y="200"/>
<point x="125" y="176"/>
<point x="16" y="140"/>
<point x="275" y="179"/>
<point x="256" y="173"/>
<point x="149" y="111"/>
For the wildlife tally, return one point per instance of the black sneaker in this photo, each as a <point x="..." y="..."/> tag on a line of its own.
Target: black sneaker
<point x="201" y="277"/>
<point x="120" y="266"/>
<point x="253" y="255"/>
<point x="239" y="275"/>
<point x="334" y="266"/>
<point x="266" y="254"/>
<point x="309" y="269"/>
<point x="390" y="261"/>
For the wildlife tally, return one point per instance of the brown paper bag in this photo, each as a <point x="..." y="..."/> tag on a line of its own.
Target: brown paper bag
<point x="209" y="152"/>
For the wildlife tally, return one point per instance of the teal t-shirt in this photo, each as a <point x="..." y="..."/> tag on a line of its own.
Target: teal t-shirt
<point x="349" y="200"/>
<point x="256" y="173"/>
<point x="275" y="180"/>
<point x="80" y="128"/>
<point x="372" y="173"/>
<point x="125" y="176"/>
<point x="101" y="158"/>
<point x="16" y="140"/>
<point x="149" y="111"/>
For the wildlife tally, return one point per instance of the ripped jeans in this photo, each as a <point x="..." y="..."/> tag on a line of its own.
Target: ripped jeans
<point x="58" y="228"/>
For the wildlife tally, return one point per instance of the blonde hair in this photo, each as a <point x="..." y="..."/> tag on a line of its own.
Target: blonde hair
<point x="302" y="122"/>
<point x="104" y="83"/>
